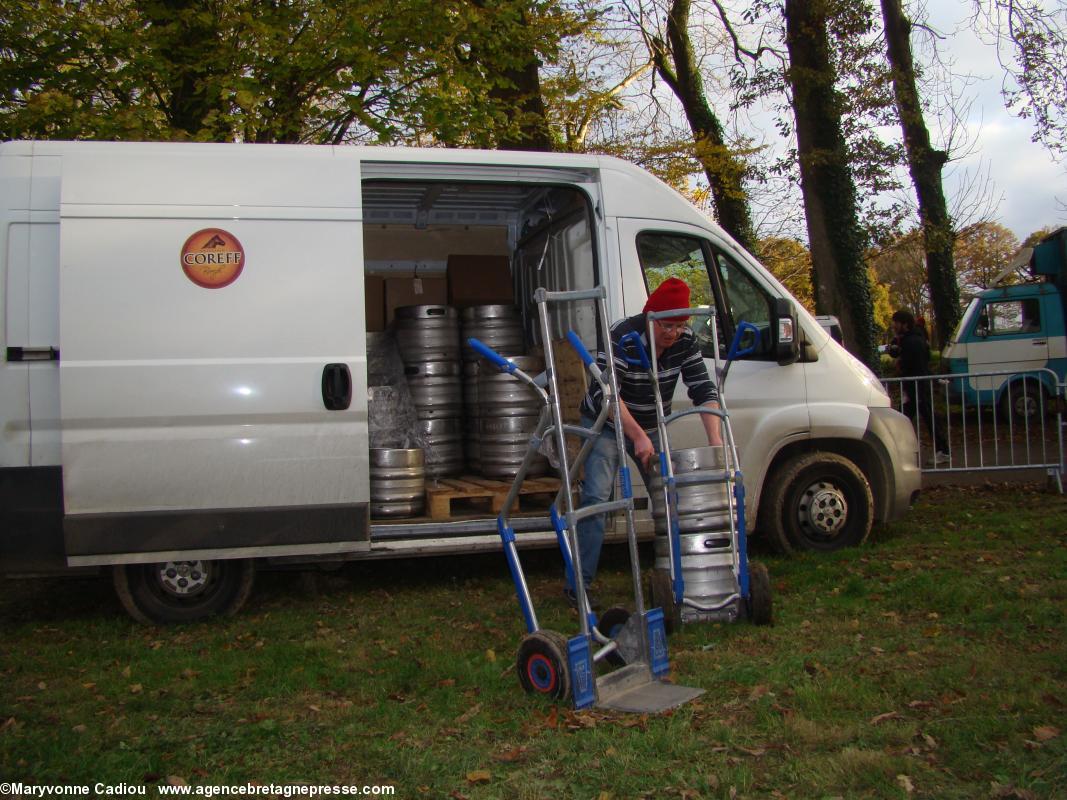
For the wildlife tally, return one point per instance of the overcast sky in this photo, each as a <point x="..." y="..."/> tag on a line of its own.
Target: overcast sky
<point x="1029" y="188"/>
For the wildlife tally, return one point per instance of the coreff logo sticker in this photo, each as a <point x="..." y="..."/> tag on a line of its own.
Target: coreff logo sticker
<point x="212" y="258"/>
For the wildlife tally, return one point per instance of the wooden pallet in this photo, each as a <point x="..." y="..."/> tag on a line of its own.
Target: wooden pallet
<point x="446" y="497"/>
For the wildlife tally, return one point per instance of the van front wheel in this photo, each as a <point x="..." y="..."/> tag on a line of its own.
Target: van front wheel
<point x="183" y="591"/>
<point x="817" y="501"/>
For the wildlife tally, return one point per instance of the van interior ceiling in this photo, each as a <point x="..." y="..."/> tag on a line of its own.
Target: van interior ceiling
<point x="411" y="228"/>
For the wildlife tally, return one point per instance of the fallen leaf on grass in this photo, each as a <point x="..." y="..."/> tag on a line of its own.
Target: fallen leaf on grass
<point x="136" y="688"/>
<point x="884" y="717"/>
<point x="755" y="752"/>
<point x="906" y="784"/>
<point x="467" y="715"/>
<point x="79" y="729"/>
<point x="1001" y="791"/>
<point x="490" y="656"/>
<point x="479" y="776"/>
<point x="512" y="755"/>
<point x="1045" y="732"/>
<point x="174" y="780"/>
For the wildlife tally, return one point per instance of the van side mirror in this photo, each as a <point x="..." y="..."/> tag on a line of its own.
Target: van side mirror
<point x="784" y="330"/>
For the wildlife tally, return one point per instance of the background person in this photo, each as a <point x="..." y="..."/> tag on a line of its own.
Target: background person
<point x="913" y="360"/>
<point x="677" y="353"/>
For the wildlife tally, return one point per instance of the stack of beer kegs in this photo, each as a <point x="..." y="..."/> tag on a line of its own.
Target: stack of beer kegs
<point x="428" y="338"/>
<point x="498" y="327"/>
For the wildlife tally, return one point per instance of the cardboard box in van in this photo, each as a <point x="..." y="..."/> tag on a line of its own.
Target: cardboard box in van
<point x="479" y="280"/>
<point x="375" y="302"/>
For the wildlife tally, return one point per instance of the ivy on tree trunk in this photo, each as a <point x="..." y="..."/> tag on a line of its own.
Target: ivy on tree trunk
<point x="837" y="242"/>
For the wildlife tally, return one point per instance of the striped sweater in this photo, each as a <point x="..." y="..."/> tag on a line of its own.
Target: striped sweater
<point x="682" y="358"/>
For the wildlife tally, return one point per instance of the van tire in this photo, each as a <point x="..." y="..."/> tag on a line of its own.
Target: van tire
<point x="150" y="592"/>
<point x="817" y="501"/>
<point x="1021" y="404"/>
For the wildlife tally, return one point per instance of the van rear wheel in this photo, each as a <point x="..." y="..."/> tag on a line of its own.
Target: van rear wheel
<point x="817" y="501"/>
<point x="183" y="591"/>
<point x="1025" y="400"/>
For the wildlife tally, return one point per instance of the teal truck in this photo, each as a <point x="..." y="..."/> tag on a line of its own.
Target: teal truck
<point x="1017" y="330"/>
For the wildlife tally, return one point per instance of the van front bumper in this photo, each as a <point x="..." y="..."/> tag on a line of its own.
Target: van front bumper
<point x="892" y="436"/>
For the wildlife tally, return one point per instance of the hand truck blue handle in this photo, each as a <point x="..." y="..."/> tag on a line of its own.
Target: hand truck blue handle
<point x="491" y="354"/>
<point x="579" y="348"/>
<point x="642" y="361"/>
<point x="735" y="352"/>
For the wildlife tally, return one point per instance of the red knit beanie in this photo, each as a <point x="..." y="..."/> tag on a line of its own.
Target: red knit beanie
<point x="670" y="294"/>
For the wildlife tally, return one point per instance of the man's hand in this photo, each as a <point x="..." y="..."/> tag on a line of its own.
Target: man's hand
<point x="644" y="452"/>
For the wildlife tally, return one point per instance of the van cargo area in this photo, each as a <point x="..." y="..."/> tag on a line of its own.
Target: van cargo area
<point x="467" y="246"/>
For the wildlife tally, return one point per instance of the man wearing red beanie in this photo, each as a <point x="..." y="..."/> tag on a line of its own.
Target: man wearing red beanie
<point x="677" y="353"/>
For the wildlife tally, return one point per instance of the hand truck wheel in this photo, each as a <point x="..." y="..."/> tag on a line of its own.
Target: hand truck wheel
<point x="662" y="595"/>
<point x="759" y="604"/>
<point x="542" y="665"/>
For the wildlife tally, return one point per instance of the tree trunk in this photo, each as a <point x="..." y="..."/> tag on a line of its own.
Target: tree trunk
<point x="724" y="170"/>
<point x="924" y="163"/>
<point x="518" y="92"/>
<point x="837" y="243"/>
<point x="526" y="106"/>
<point x="186" y="39"/>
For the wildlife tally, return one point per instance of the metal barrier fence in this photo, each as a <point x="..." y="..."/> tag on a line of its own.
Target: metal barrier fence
<point x="985" y="421"/>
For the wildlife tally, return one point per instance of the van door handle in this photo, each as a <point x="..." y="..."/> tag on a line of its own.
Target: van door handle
<point x="1039" y="342"/>
<point x="336" y="387"/>
<point x="32" y="354"/>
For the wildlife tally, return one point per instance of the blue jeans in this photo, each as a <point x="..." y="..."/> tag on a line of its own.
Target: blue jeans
<point x="598" y="484"/>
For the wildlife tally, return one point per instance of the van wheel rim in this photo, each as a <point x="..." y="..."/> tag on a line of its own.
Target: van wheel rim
<point x="823" y="509"/>
<point x="1026" y="406"/>
<point x="183" y="578"/>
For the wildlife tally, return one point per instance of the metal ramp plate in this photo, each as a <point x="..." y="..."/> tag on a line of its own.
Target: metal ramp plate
<point x="634" y="690"/>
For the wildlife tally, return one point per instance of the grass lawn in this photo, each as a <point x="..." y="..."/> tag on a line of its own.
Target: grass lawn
<point x="930" y="663"/>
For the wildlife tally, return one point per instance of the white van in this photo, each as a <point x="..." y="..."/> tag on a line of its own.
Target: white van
<point x="184" y="388"/>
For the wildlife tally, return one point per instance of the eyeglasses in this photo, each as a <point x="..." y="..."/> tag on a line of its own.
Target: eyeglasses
<point x="672" y="327"/>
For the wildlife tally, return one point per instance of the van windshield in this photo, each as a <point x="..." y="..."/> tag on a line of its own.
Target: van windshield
<point x="965" y="321"/>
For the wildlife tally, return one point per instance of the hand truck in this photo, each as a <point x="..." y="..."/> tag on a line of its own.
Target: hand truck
<point x="708" y="491"/>
<point x="635" y="644"/>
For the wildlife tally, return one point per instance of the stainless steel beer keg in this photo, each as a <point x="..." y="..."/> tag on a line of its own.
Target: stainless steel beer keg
<point x="496" y="326"/>
<point x="427" y="333"/>
<point x="509" y="412"/>
<point x="444" y="443"/>
<point x="704" y="528"/>
<point x="397" y="482"/>
<point x="436" y="388"/>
